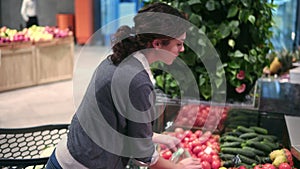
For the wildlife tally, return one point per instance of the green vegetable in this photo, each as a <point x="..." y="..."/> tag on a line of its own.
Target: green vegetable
<point x="232" y="139"/>
<point x="245" y="129"/>
<point x="259" y="146"/>
<point x="240" y="151"/>
<point x="225" y="157"/>
<point x="247" y="160"/>
<point x="259" y="130"/>
<point x="231" y="144"/>
<point x="256" y="151"/>
<point x="248" y="135"/>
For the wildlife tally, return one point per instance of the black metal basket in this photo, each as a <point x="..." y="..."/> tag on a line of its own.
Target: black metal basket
<point x="22" y="147"/>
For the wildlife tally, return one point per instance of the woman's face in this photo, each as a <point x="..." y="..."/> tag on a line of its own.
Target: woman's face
<point x="172" y="50"/>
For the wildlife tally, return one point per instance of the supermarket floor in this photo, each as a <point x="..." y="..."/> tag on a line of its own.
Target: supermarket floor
<point x="52" y="103"/>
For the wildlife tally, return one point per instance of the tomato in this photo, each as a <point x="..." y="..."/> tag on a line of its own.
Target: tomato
<point x="215" y="164"/>
<point x="188" y="133"/>
<point x="206" y="157"/>
<point x="166" y="154"/>
<point x="197" y="149"/>
<point x="215" y="157"/>
<point x="284" y="166"/>
<point x="258" y="166"/>
<point x="198" y="133"/>
<point x="268" y="166"/>
<point x="242" y="167"/>
<point x="205" y="165"/>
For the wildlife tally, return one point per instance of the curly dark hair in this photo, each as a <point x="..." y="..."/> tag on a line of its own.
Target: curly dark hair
<point x="155" y="21"/>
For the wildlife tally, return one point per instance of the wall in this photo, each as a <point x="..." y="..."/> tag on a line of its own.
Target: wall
<point x="47" y="9"/>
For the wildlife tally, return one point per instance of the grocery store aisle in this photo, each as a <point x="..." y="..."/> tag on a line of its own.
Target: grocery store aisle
<point x="51" y="103"/>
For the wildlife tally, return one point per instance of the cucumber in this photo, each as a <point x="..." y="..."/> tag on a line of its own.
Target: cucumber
<point x="245" y="129"/>
<point x="266" y="160"/>
<point x="259" y="130"/>
<point x="247" y="160"/>
<point x="232" y="133"/>
<point x="248" y="136"/>
<point x="256" y="151"/>
<point x="231" y="144"/>
<point x="272" y="145"/>
<point x="258" y="138"/>
<point x="226" y="157"/>
<point x="235" y="151"/>
<point x="227" y="163"/>
<point x="259" y="146"/>
<point x="271" y="138"/>
<point x="229" y="138"/>
<point x="258" y="159"/>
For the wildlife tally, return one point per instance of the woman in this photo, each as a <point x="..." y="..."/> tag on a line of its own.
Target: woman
<point x="113" y="124"/>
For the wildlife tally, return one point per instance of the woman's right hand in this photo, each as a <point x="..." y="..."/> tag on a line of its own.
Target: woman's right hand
<point x="189" y="163"/>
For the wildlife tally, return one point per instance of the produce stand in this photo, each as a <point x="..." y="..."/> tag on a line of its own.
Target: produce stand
<point x="269" y="114"/>
<point x="24" y="64"/>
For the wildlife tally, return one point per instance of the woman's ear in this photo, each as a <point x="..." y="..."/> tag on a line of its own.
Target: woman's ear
<point x="156" y="43"/>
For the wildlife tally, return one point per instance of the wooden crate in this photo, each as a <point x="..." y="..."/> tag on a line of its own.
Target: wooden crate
<point x="17" y="66"/>
<point x="55" y="60"/>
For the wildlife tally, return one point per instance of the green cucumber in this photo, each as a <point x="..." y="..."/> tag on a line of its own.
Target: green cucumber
<point x="272" y="145"/>
<point x="227" y="163"/>
<point x="259" y="146"/>
<point x="271" y="138"/>
<point x="231" y="144"/>
<point x="256" y="151"/>
<point x="247" y="160"/>
<point x="248" y="136"/>
<point x="225" y="157"/>
<point x="235" y="151"/>
<point x="229" y="138"/>
<point x="258" y="138"/>
<point x="245" y="129"/>
<point x="232" y="133"/>
<point x="259" y="130"/>
<point x="266" y="160"/>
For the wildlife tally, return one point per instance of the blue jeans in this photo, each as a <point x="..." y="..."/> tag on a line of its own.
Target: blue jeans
<point x="52" y="162"/>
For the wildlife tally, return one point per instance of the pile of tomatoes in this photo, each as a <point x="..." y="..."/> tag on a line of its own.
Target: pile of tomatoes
<point x="204" y="146"/>
<point x="194" y="115"/>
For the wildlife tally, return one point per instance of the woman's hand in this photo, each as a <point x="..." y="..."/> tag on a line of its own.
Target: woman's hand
<point x="170" y="141"/>
<point x="189" y="163"/>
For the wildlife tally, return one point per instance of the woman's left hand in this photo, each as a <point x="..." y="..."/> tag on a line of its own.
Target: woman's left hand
<point x="170" y="141"/>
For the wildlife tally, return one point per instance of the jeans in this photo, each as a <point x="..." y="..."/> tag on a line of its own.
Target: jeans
<point x="52" y="162"/>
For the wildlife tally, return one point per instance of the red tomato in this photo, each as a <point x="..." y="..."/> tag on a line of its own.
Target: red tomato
<point x="258" y="166"/>
<point x="215" y="164"/>
<point x="284" y="166"/>
<point x="268" y="166"/>
<point x="198" y="133"/>
<point x="206" y="157"/>
<point x="215" y="157"/>
<point x="205" y="165"/>
<point x="242" y="167"/>
<point x="166" y="154"/>
<point x="197" y="149"/>
<point x="188" y="133"/>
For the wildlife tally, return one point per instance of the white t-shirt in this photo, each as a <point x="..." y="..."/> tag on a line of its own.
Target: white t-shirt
<point x="28" y="9"/>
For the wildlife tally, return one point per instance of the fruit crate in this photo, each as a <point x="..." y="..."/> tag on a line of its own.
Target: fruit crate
<point x="29" y="147"/>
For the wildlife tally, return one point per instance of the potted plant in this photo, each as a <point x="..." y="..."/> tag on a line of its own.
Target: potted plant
<point x="240" y="32"/>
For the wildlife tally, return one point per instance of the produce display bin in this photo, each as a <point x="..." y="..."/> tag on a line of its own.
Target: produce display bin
<point x="24" y="64"/>
<point x="54" y="60"/>
<point x="17" y="66"/>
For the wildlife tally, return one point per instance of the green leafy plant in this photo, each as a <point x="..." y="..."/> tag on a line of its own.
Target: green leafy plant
<point x="240" y="32"/>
